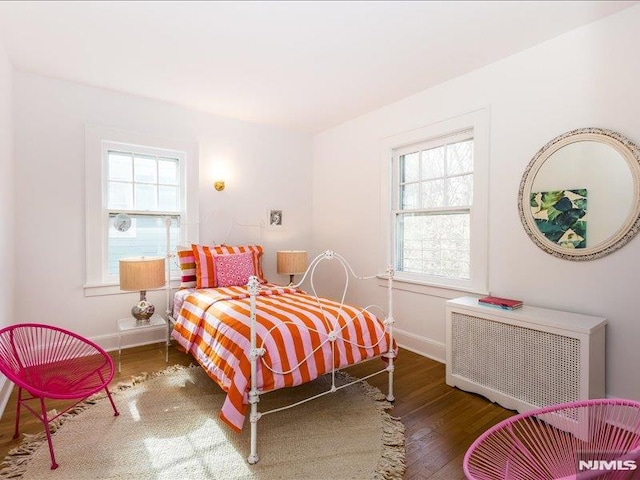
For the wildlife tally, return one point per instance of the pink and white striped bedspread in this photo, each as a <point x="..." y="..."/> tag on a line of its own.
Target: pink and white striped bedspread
<point x="214" y="326"/>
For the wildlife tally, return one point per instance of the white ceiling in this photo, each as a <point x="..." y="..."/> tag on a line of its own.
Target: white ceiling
<point x="305" y="65"/>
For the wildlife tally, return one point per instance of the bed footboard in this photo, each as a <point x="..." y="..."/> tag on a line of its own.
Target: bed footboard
<point x="257" y="352"/>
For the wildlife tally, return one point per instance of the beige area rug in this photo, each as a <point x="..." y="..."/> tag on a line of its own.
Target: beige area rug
<point x="169" y="428"/>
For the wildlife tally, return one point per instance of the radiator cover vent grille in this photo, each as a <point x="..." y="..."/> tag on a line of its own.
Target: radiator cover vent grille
<point x="536" y="367"/>
<point x="525" y="358"/>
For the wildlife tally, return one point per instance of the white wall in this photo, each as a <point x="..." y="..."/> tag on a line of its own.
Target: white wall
<point x="50" y="116"/>
<point x="7" y="259"/>
<point x="7" y="262"/>
<point x="588" y="77"/>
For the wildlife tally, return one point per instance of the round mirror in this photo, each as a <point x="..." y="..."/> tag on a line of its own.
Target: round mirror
<point x="578" y="198"/>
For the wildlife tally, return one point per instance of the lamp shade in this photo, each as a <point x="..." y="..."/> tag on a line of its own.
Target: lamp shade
<point x="292" y="262"/>
<point x="142" y="273"/>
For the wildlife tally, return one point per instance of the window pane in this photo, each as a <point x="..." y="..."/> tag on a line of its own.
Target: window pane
<point x="460" y="191"/>
<point x="146" y="237"/>
<point x="433" y="163"/>
<point x="168" y="198"/>
<point x="120" y="166"/>
<point x="146" y="169"/>
<point x="432" y="194"/>
<point x="120" y="196"/>
<point x="409" y="196"/>
<point x="410" y="167"/>
<point x="168" y="171"/>
<point x="146" y="197"/>
<point x="460" y="157"/>
<point x="437" y="245"/>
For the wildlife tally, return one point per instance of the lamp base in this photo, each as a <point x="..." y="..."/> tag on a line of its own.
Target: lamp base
<point x="143" y="310"/>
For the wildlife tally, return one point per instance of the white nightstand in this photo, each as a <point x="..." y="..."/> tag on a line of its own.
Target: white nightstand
<point x="127" y="326"/>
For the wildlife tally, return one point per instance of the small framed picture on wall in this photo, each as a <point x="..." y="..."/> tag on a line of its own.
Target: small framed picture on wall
<point x="274" y="219"/>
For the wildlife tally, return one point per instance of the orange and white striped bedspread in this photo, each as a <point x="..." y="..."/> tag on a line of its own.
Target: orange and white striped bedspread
<point x="214" y="326"/>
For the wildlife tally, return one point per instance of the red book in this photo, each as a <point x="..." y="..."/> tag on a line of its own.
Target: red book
<point x="506" y="303"/>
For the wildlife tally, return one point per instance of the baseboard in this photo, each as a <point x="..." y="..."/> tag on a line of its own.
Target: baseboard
<point x="6" y="388"/>
<point x="421" y="345"/>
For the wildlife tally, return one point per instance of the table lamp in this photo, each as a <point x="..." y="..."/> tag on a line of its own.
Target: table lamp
<point x="142" y="274"/>
<point x="291" y="262"/>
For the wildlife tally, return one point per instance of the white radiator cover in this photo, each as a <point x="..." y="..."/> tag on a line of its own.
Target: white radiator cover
<point x="525" y="358"/>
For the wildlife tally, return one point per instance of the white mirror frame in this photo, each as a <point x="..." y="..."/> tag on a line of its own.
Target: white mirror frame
<point x="631" y="154"/>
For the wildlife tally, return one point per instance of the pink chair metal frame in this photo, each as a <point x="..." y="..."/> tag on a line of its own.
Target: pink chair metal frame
<point x="50" y="362"/>
<point x="598" y="438"/>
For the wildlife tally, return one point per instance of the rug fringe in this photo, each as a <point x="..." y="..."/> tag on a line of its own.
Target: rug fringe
<point x="392" y="460"/>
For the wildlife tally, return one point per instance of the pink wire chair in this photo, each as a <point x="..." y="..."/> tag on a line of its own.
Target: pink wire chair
<point x="597" y="438"/>
<point x="50" y="362"/>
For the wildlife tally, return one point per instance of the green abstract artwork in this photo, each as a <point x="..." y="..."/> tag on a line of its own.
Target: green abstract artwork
<point x="559" y="215"/>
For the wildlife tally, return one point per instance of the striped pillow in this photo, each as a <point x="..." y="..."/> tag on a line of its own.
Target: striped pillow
<point x="187" y="262"/>
<point x="205" y="267"/>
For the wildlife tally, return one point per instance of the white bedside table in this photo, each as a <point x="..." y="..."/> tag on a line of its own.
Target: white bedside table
<point x="127" y="326"/>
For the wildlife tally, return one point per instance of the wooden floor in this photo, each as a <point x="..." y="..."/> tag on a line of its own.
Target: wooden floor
<point x="441" y="422"/>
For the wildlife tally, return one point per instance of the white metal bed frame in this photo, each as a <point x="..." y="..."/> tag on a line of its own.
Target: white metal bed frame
<point x="257" y="352"/>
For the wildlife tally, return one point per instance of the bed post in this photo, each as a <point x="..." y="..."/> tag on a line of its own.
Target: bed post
<point x="169" y="311"/>
<point x="254" y="395"/>
<point x="389" y="321"/>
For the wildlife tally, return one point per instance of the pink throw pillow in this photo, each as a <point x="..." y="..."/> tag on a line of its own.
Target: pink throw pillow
<point x="257" y="256"/>
<point x="233" y="270"/>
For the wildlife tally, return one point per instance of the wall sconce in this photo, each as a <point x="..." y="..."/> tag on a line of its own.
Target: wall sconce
<point x="218" y="185"/>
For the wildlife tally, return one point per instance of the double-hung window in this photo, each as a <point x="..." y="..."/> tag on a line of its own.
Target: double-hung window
<point x="143" y="184"/>
<point x="435" y="195"/>
<point x="438" y="210"/>
<point x="136" y="186"/>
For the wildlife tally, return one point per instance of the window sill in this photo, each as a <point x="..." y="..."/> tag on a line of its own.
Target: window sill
<point x="431" y="289"/>
<point x="100" y="289"/>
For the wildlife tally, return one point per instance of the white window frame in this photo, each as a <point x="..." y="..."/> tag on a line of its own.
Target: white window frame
<point x="478" y="123"/>
<point x="98" y="141"/>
